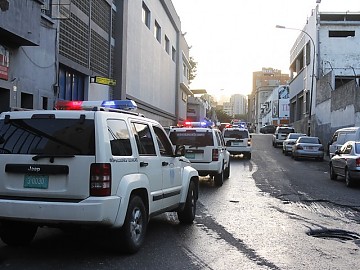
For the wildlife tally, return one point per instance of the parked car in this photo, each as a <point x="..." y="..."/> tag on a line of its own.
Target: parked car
<point x="280" y="134"/>
<point x="346" y="163"/>
<point x="308" y="147"/>
<point x="238" y="141"/>
<point x="341" y="136"/>
<point x="268" y="129"/>
<point x="290" y="141"/>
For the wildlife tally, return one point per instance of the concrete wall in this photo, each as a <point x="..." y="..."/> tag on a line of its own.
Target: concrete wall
<point x="32" y="65"/>
<point x="151" y="71"/>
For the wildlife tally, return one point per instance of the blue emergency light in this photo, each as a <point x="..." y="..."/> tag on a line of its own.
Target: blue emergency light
<point x="83" y="105"/>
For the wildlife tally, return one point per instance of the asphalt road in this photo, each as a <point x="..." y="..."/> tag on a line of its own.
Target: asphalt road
<point x="261" y="218"/>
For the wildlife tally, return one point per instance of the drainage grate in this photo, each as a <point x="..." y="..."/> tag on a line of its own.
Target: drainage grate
<point x="334" y="234"/>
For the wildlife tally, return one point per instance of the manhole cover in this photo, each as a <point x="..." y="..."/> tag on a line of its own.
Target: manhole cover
<point x="334" y="234"/>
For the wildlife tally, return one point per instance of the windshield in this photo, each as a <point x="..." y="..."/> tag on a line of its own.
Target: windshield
<point x="47" y="136"/>
<point x="191" y="138"/>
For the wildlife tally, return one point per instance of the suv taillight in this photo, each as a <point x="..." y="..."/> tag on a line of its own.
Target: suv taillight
<point x="249" y="142"/>
<point x="215" y="155"/>
<point x="100" y="179"/>
<point x="358" y="162"/>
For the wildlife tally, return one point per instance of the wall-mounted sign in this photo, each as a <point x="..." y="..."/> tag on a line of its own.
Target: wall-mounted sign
<point x="4" y="63"/>
<point x="103" y="80"/>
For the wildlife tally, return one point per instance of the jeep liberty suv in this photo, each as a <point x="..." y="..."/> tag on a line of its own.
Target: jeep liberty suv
<point x="103" y="167"/>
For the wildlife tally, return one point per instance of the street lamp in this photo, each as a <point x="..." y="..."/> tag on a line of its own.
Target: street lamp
<point x="313" y="69"/>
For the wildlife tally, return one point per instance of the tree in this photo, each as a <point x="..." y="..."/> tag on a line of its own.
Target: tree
<point x="241" y="117"/>
<point x="222" y="116"/>
<point x="193" y="69"/>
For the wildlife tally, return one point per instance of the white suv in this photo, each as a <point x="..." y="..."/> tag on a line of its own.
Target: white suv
<point x="238" y="141"/>
<point x="280" y="135"/>
<point x="100" y="167"/>
<point x="205" y="148"/>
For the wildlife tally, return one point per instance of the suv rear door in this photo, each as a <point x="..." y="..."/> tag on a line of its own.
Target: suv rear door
<point x="38" y="150"/>
<point x="199" y="143"/>
<point x="236" y="137"/>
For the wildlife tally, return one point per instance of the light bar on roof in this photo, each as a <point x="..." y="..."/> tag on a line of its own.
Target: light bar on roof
<point x="88" y="105"/>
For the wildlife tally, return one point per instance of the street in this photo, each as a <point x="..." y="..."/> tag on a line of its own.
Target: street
<point x="271" y="213"/>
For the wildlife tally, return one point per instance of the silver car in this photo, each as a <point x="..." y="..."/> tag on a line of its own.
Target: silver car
<point x="308" y="147"/>
<point x="346" y="163"/>
<point x="290" y="141"/>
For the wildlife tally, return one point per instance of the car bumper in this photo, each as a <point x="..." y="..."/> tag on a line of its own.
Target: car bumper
<point x="237" y="150"/>
<point x="207" y="168"/>
<point x="89" y="211"/>
<point x="308" y="154"/>
<point x="355" y="174"/>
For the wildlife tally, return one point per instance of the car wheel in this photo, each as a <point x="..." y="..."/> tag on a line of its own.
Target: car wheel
<point x="348" y="180"/>
<point x="333" y="175"/>
<point x="249" y="156"/>
<point x="187" y="215"/>
<point x="132" y="233"/>
<point x="227" y="171"/>
<point x="17" y="234"/>
<point x="219" y="178"/>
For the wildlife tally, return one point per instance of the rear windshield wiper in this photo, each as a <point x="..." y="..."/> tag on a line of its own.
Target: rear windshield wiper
<point x="51" y="156"/>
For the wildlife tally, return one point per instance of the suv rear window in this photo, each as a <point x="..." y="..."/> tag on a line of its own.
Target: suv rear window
<point x="192" y="137"/>
<point x="237" y="134"/>
<point x="286" y="130"/>
<point x="47" y="136"/>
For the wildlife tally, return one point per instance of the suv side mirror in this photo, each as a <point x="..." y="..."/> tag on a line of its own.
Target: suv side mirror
<point x="180" y="150"/>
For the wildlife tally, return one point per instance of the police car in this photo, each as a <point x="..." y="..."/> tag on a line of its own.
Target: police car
<point x="90" y="163"/>
<point x="205" y="148"/>
<point x="238" y="141"/>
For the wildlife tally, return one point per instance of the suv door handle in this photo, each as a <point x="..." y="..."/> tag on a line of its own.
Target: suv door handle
<point x="143" y="164"/>
<point x="164" y="163"/>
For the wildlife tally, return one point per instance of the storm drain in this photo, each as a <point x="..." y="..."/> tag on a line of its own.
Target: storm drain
<point x="334" y="234"/>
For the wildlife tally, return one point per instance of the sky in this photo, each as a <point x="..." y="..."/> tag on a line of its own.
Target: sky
<point x="231" y="39"/>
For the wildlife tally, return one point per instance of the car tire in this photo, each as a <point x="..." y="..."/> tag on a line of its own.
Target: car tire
<point x="348" y="181"/>
<point x="333" y="175"/>
<point x="132" y="233"/>
<point x="219" y="179"/>
<point x="17" y="234"/>
<point x="187" y="215"/>
<point x="249" y="156"/>
<point x="227" y="171"/>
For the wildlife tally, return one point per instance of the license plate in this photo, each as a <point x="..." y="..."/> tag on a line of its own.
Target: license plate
<point x="235" y="144"/>
<point x="309" y="148"/>
<point x="190" y="155"/>
<point x="36" y="181"/>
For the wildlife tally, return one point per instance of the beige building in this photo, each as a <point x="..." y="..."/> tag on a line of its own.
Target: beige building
<point x="264" y="82"/>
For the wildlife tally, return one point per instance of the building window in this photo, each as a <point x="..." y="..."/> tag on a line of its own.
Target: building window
<point x="173" y="54"/>
<point x="45" y="103"/>
<point x="167" y="44"/>
<point x="157" y="31"/>
<point x="185" y="71"/>
<point x="308" y="53"/>
<point x="341" y="34"/>
<point x="146" y="15"/>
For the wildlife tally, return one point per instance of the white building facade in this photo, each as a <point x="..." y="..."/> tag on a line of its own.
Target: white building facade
<point x="324" y="65"/>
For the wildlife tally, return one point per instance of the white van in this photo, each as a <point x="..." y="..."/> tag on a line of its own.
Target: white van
<point x="341" y="136"/>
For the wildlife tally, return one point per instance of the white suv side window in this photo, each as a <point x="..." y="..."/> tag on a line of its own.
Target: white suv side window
<point x="220" y="138"/>
<point x="163" y="142"/>
<point x="119" y="138"/>
<point x="143" y="139"/>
